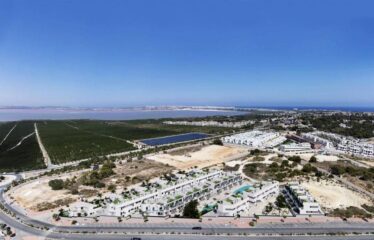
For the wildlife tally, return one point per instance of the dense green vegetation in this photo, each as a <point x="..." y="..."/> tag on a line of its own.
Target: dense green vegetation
<point x="79" y="139"/>
<point x="5" y="128"/>
<point x="139" y="129"/>
<point x="356" y="125"/>
<point x="22" y="130"/>
<point x="56" y="184"/>
<point x="350" y="212"/>
<point x="279" y="172"/>
<point x="27" y="155"/>
<point x="120" y="129"/>
<point x="190" y="210"/>
<point x="217" y="142"/>
<point x="71" y="140"/>
<point x="92" y="178"/>
<point x="65" y="143"/>
<point x="365" y="174"/>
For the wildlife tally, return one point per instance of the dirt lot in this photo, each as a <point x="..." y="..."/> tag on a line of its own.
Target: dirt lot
<point x="204" y="157"/>
<point x="369" y="163"/>
<point x="37" y="195"/>
<point x="137" y="171"/>
<point x="331" y="194"/>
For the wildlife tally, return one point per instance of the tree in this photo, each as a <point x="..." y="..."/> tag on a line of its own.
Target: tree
<point x="190" y="210"/>
<point x="281" y="201"/>
<point x="313" y="159"/>
<point x="284" y="164"/>
<point x="111" y="187"/>
<point x="217" y="142"/>
<point x="307" y="168"/>
<point x="296" y="159"/>
<point x="337" y="170"/>
<point x="269" y="208"/>
<point x="255" y="152"/>
<point x="56" y="184"/>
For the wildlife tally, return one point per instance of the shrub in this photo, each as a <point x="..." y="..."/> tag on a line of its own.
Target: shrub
<point x="281" y="201"/>
<point x="190" y="210"/>
<point x="296" y="159"/>
<point x="56" y="184"/>
<point x="217" y="142"/>
<point x="313" y="159"/>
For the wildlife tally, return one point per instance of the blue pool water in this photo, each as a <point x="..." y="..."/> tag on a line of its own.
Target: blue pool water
<point x="242" y="189"/>
<point x="174" y="139"/>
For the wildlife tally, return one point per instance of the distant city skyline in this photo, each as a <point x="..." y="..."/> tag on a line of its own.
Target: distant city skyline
<point x="311" y="53"/>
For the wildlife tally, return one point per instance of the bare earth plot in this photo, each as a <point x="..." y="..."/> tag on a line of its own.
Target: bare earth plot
<point x="37" y="195"/>
<point x="204" y="157"/>
<point x="331" y="194"/>
<point x="134" y="172"/>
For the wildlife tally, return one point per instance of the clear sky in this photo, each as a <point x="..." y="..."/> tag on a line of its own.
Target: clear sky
<point x="175" y="52"/>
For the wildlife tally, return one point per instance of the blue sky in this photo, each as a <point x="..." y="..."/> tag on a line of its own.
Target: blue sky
<point x="198" y="52"/>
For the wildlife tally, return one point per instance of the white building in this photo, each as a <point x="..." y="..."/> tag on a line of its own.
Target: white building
<point x="256" y="139"/>
<point x="300" y="199"/>
<point x="314" y="138"/>
<point x="246" y="196"/>
<point x="347" y="145"/>
<point x="296" y="148"/>
<point x="211" y="123"/>
<point x="167" y="199"/>
<point x="357" y="148"/>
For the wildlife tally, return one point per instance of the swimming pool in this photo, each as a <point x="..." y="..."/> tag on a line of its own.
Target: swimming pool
<point x="174" y="139"/>
<point x="242" y="189"/>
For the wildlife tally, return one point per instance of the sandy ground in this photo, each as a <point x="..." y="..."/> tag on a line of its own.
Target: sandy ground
<point x="130" y="173"/>
<point x="320" y="157"/>
<point x="331" y="194"/>
<point x="234" y="163"/>
<point x="206" y="156"/>
<point x="326" y="158"/>
<point x="8" y="179"/>
<point x="370" y="163"/>
<point x="31" y="194"/>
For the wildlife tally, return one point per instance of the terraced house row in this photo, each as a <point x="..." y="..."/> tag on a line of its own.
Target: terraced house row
<point x="162" y="197"/>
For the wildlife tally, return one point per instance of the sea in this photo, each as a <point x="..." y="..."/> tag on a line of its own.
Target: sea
<point x="55" y="114"/>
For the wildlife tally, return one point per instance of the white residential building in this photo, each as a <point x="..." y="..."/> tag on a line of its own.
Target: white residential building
<point x="300" y="199"/>
<point x="296" y="148"/>
<point x="314" y="138"/>
<point x="357" y="148"/>
<point x="168" y="198"/>
<point x="212" y="123"/>
<point x="257" y="139"/>
<point x="246" y="196"/>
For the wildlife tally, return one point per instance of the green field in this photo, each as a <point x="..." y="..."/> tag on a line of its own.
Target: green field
<point x="65" y="142"/>
<point x="70" y="140"/>
<point x="5" y="128"/>
<point x="139" y="129"/>
<point x="26" y="155"/>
